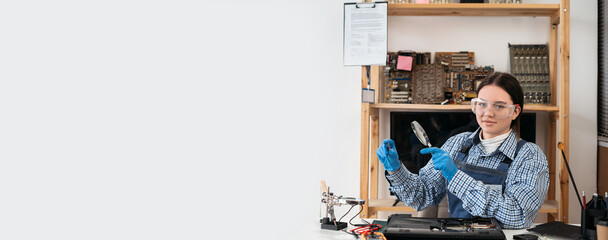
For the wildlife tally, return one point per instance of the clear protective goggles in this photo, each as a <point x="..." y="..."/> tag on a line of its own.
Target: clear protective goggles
<point x="499" y="110"/>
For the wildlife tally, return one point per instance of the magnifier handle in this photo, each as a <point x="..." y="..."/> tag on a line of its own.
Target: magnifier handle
<point x="428" y="142"/>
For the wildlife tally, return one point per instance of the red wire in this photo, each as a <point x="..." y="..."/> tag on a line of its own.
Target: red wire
<point x="364" y="230"/>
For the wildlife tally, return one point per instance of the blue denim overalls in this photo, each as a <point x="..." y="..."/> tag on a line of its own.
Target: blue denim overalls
<point x="494" y="177"/>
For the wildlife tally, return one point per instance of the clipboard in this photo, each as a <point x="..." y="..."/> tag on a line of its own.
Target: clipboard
<point x="365" y="33"/>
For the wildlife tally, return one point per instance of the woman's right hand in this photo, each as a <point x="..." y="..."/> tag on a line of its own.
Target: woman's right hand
<point x="387" y="154"/>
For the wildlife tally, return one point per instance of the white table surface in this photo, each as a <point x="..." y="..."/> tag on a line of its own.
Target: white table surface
<point x="319" y="233"/>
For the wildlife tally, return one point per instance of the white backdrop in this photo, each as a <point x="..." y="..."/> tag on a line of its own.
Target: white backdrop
<point x="187" y="119"/>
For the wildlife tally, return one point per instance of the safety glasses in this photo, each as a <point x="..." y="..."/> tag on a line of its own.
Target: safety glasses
<point x="499" y="110"/>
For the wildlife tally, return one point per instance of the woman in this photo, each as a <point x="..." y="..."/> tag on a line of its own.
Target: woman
<point x="486" y="173"/>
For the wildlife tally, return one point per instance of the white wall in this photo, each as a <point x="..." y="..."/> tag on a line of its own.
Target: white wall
<point x="583" y="101"/>
<point x="184" y="119"/>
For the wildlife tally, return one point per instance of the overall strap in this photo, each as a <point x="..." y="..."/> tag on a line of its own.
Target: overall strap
<point x="464" y="150"/>
<point x="520" y="144"/>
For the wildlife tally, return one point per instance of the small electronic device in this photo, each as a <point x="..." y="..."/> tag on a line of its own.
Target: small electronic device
<point x="374" y="235"/>
<point x="368" y="95"/>
<point x="525" y="237"/>
<point x="557" y="229"/>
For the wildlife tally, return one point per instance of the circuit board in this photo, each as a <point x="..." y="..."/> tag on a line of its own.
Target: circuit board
<point x="455" y="59"/>
<point x="530" y="65"/>
<point x="399" y="83"/>
<point x="454" y="77"/>
<point x="398" y="87"/>
<point x="462" y="76"/>
<point x="428" y="84"/>
<point x="462" y="83"/>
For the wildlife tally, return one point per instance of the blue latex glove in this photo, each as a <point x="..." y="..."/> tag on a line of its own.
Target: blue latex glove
<point x="388" y="158"/>
<point x="442" y="161"/>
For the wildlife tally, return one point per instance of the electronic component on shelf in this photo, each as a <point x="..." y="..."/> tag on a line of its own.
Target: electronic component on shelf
<point x="456" y="69"/>
<point x="428" y="84"/>
<point x="463" y="83"/>
<point x="398" y="88"/>
<point x="398" y="83"/>
<point x="530" y="65"/>
<point x="423" y="58"/>
<point x="404" y="60"/>
<point x="386" y="78"/>
<point x="462" y="76"/>
<point x="391" y="61"/>
<point x="401" y="97"/>
<point x="455" y="59"/>
<point x="418" y="57"/>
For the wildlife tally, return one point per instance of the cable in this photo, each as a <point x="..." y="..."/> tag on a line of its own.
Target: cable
<point x="364" y="222"/>
<point x="560" y="145"/>
<point x="346" y="213"/>
<point x="368" y="80"/>
<point x="350" y="221"/>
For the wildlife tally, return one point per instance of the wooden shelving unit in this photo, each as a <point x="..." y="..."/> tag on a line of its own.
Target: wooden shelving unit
<point x="474" y="9"/>
<point x="557" y="209"/>
<point x="453" y="107"/>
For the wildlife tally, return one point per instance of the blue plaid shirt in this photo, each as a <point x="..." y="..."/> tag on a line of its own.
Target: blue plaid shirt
<point x="525" y="187"/>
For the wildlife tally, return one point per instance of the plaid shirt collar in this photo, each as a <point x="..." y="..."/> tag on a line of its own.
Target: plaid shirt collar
<point x="507" y="147"/>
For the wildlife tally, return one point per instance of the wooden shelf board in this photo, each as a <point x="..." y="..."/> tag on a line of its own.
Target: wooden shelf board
<point x="433" y="107"/>
<point x="387" y="205"/>
<point x="540" y="108"/>
<point x="549" y="206"/>
<point x="472" y="9"/>
<point x="454" y="107"/>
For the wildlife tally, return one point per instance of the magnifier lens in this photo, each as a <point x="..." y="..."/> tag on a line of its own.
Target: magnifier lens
<point x="420" y="133"/>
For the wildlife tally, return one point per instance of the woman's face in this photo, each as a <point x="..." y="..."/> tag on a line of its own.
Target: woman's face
<point x="491" y="123"/>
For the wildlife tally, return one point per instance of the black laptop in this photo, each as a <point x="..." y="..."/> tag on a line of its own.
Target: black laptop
<point x="404" y="226"/>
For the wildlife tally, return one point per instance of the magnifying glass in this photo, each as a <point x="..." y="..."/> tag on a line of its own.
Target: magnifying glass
<point x="420" y="134"/>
